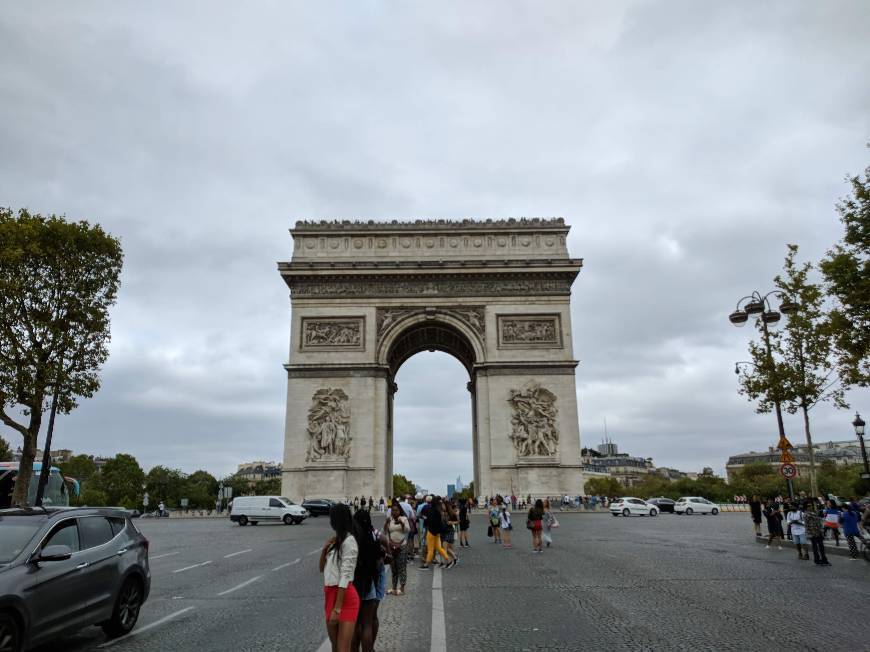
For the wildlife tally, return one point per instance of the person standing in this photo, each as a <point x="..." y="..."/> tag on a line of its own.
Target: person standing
<point x="815" y="532"/>
<point x="504" y="517"/>
<point x="434" y="526"/>
<point x="448" y="534"/>
<point x="337" y="563"/>
<point x="495" y="521"/>
<point x="849" y="520"/>
<point x="534" y="522"/>
<point x="774" y="524"/>
<point x="795" y="519"/>
<point x="549" y="522"/>
<point x="369" y="579"/>
<point x="832" y="521"/>
<point x="464" y="523"/>
<point x="755" y="512"/>
<point x="398" y="531"/>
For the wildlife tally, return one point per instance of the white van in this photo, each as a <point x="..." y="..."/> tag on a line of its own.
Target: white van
<point x="253" y="509"/>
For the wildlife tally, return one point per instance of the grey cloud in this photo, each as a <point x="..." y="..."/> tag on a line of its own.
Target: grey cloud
<point x="685" y="143"/>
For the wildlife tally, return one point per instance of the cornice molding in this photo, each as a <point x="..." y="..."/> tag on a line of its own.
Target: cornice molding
<point x="511" y="223"/>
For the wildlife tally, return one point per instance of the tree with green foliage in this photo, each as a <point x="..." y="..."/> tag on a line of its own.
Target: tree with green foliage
<point x="807" y="368"/>
<point x="467" y="492"/>
<point x="240" y="486"/>
<point x="80" y="467"/>
<point x="121" y="480"/>
<point x="200" y="489"/>
<point x="165" y="484"/>
<point x="58" y="280"/>
<point x="92" y="497"/>
<point x="604" y="486"/>
<point x="846" y="269"/>
<point x="402" y="486"/>
<point x="5" y="451"/>
<point x="270" y="487"/>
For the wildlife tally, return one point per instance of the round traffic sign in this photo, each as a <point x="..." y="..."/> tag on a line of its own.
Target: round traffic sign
<point x="788" y="471"/>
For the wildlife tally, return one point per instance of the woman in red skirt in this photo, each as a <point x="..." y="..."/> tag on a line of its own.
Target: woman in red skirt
<point x="337" y="563"/>
<point x="535" y="524"/>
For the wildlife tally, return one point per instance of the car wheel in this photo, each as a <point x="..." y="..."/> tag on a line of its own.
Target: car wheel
<point x="626" y="512"/>
<point x="289" y="520"/>
<point x="688" y="511"/>
<point x="243" y="520"/>
<point x="653" y="512"/>
<point x="10" y="634"/>
<point x="298" y="521"/>
<point x="126" y="611"/>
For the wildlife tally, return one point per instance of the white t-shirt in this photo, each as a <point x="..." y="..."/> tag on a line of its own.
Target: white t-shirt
<point x="796" y="520"/>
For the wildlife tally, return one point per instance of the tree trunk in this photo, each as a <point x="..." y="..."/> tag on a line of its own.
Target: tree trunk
<point x="28" y="455"/>
<point x="814" y="487"/>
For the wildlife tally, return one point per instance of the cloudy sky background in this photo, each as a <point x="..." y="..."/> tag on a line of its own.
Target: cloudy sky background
<point x="686" y="143"/>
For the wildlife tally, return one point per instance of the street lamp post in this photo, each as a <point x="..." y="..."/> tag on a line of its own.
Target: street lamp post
<point x="756" y="304"/>
<point x="859" y="424"/>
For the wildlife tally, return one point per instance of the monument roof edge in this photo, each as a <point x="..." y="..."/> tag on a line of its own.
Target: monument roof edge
<point x="343" y="225"/>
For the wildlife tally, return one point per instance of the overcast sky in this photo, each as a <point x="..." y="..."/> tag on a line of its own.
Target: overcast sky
<point x="686" y="143"/>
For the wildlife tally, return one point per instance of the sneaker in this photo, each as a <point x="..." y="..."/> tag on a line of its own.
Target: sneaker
<point x="767" y="546"/>
<point x="779" y="547"/>
<point x="423" y="567"/>
<point x="450" y="565"/>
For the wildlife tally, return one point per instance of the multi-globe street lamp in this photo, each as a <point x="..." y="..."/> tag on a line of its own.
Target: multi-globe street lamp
<point x="859" y="424"/>
<point x="761" y="305"/>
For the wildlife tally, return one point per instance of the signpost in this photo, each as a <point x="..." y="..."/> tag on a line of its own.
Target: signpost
<point x="788" y="471"/>
<point x="787" y="468"/>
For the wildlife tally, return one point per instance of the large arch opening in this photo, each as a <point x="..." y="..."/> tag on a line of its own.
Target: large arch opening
<point x="431" y="422"/>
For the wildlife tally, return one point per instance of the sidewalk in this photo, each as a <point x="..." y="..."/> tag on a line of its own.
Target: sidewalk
<point x="830" y="548"/>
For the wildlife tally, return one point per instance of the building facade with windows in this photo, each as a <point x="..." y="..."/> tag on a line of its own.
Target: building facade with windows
<point x="841" y="453"/>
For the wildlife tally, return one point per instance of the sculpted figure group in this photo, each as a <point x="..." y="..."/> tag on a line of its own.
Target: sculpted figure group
<point x="534" y="430"/>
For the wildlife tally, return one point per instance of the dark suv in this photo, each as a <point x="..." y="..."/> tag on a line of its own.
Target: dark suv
<point x="317" y="506"/>
<point x="63" y="569"/>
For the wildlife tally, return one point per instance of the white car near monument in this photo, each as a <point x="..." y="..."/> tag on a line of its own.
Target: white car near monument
<point x="695" y="505"/>
<point x="630" y="505"/>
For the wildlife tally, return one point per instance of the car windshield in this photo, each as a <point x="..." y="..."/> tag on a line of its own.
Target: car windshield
<point x="17" y="533"/>
<point x="287" y="501"/>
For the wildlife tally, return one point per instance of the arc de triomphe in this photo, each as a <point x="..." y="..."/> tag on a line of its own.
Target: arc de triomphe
<point x="366" y="296"/>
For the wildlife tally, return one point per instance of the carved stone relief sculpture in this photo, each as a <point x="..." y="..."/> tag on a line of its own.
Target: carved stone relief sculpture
<point x="329" y="436"/>
<point x="529" y="331"/>
<point x="474" y="316"/>
<point x="332" y="332"/>
<point x="533" y="425"/>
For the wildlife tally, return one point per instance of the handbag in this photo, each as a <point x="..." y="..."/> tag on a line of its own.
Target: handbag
<point x="489" y="530"/>
<point x="555" y="523"/>
<point x="529" y="524"/>
<point x="832" y="521"/>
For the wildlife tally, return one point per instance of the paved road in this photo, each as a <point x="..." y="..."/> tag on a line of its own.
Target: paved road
<point x="672" y="582"/>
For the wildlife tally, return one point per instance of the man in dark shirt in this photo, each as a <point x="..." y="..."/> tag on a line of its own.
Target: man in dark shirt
<point x="815" y="532"/>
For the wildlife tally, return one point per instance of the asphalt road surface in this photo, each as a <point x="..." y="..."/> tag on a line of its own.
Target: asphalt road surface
<point x="664" y="583"/>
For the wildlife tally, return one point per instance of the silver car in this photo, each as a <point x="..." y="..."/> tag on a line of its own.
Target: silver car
<point x="64" y="569"/>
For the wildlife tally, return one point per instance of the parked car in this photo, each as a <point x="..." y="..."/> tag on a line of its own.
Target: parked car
<point x="663" y="504"/>
<point x="630" y="505"/>
<point x="64" y="569"/>
<point x="253" y="509"/>
<point x="695" y="504"/>
<point x="317" y="506"/>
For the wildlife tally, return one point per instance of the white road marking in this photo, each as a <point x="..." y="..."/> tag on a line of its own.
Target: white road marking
<point x="289" y="563"/>
<point x="205" y="563"/>
<point x="242" y="585"/>
<point x="313" y="552"/>
<point x="147" y="627"/>
<point x="165" y="554"/>
<point x="438" y="642"/>
<point x="240" y="552"/>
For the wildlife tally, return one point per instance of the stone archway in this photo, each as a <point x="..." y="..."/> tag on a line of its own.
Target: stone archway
<point x="367" y="296"/>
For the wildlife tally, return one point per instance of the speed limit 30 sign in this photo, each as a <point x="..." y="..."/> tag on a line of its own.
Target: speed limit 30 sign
<point x="788" y="471"/>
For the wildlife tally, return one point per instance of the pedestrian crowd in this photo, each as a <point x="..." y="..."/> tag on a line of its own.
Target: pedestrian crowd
<point x="809" y="522"/>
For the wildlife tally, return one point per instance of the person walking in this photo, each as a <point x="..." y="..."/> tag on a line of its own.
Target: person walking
<point x="337" y="563"/>
<point x="849" y="521"/>
<point x="755" y="513"/>
<point x="832" y="521"/>
<point x="774" y="524"/>
<point x="815" y="532"/>
<point x="434" y="526"/>
<point x="369" y="579"/>
<point x="795" y="519"/>
<point x="505" y="525"/>
<point x="549" y="523"/>
<point x="495" y="521"/>
<point x="464" y="524"/>
<point x="398" y="531"/>
<point x="534" y="522"/>
<point x="448" y="535"/>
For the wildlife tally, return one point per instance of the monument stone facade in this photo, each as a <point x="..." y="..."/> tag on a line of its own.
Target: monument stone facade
<point x="366" y="296"/>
